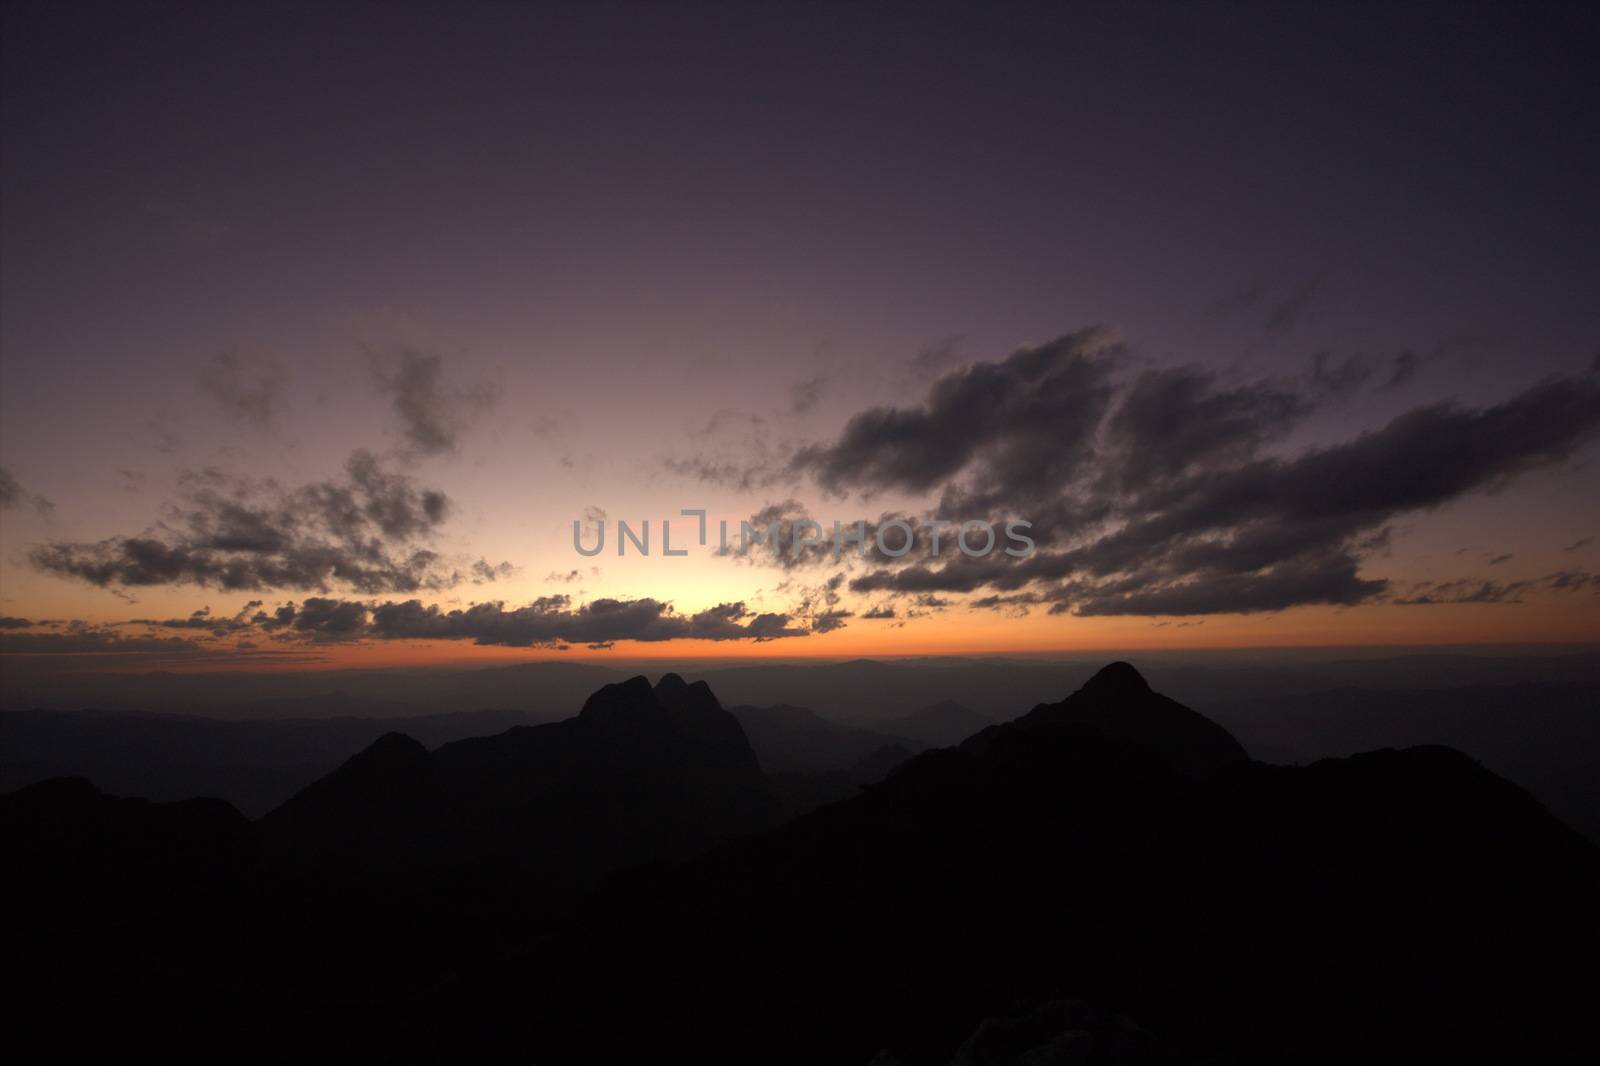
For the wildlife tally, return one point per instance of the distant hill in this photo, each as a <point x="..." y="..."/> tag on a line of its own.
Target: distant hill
<point x="255" y="765"/>
<point x="1545" y="737"/>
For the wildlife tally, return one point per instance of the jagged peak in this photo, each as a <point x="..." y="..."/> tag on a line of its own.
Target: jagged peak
<point x="674" y="693"/>
<point x="671" y="683"/>
<point x="621" y="695"/>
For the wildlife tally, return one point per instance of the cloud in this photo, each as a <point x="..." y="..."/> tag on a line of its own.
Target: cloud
<point x="9" y="622"/>
<point x="551" y="621"/>
<point x="1018" y="425"/>
<point x="1402" y="368"/>
<point x="1178" y="420"/>
<point x="1338" y="378"/>
<point x="485" y="572"/>
<point x="12" y="495"/>
<point x="1579" y="544"/>
<point x="1171" y="493"/>
<point x="737" y="451"/>
<point x="803" y="396"/>
<point x="255" y="399"/>
<point x="567" y="577"/>
<point x="548" y="622"/>
<point x="204" y="620"/>
<point x="432" y="417"/>
<point x="935" y="359"/>
<point x="1478" y="590"/>
<point x="363" y="531"/>
<point x="83" y="638"/>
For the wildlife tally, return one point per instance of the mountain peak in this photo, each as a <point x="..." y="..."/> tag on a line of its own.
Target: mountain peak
<point x="1120" y="704"/>
<point x="622" y="699"/>
<point x="675" y="694"/>
<point x="1118" y="678"/>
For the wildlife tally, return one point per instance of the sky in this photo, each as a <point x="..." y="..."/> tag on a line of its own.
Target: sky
<point x="320" y="326"/>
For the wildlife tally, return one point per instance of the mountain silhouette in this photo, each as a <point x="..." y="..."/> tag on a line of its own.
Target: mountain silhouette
<point x="1193" y="906"/>
<point x="1108" y="879"/>
<point x="641" y="773"/>
<point x="1120" y="704"/>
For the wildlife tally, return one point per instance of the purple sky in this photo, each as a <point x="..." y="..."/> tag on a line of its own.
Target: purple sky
<point x="637" y="241"/>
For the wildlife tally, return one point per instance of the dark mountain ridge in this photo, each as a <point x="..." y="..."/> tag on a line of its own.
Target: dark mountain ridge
<point x="1107" y="879"/>
<point x="641" y="773"/>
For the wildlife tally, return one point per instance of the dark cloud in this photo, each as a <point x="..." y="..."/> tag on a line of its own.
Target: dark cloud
<point x="1498" y="559"/>
<point x="1579" y="545"/>
<point x="7" y="622"/>
<point x="320" y="618"/>
<point x="484" y="572"/>
<point x="361" y="532"/>
<point x="1011" y="428"/>
<point x="253" y="398"/>
<point x="551" y="621"/>
<point x="1168" y="498"/>
<point x="12" y="494"/>
<point x="205" y="621"/>
<point x="1178" y="420"/>
<point x="432" y="417"/>
<point x="819" y="605"/>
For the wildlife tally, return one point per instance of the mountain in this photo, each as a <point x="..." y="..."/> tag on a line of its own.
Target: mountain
<point x="641" y="773"/>
<point x="1107" y="879"/>
<point x="1118" y="703"/>
<point x="1074" y="883"/>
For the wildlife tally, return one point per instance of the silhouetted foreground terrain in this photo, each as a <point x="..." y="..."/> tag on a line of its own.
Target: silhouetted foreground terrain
<point x="1107" y="879"/>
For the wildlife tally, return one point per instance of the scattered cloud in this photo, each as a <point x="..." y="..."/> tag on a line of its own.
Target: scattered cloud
<point x="364" y="531"/>
<point x="803" y="396"/>
<point x="254" y="397"/>
<point x="1337" y="378"/>
<point x="1402" y="369"/>
<point x="13" y="495"/>
<point x="1478" y="590"/>
<point x="432" y="416"/>
<point x="1170" y="492"/>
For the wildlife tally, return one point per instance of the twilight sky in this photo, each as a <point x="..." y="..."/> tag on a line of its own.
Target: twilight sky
<point x="320" y="325"/>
